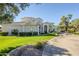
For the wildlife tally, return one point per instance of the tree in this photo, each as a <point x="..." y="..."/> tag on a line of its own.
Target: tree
<point x="6" y="18"/>
<point x="68" y="18"/>
<point x="9" y="10"/>
<point x="64" y="23"/>
<point x="75" y="24"/>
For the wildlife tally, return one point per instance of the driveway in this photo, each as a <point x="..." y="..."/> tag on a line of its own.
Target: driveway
<point x="63" y="45"/>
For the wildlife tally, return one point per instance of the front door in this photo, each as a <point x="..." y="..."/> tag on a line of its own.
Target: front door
<point x="45" y="28"/>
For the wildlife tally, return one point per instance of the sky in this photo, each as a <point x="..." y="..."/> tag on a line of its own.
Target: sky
<point x="50" y="12"/>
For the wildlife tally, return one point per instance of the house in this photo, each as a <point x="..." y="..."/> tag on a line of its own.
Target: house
<point x="29" y="24"/>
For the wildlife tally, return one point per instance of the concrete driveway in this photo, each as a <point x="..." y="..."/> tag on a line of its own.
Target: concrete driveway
<point x="63" y="45"/>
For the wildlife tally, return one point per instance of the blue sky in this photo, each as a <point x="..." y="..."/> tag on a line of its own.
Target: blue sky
<point x="50" y="12"/>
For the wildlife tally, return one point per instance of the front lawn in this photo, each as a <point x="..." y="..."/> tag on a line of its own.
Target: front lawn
<point x="13" y="41"/>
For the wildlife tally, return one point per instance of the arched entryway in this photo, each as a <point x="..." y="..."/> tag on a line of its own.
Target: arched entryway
<point x="45" y="28"/>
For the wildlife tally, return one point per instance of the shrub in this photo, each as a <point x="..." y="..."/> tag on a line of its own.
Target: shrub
<point x="52" y="34"/>
<point x="4" y="33"/>
<point x="28" y="33"/>
<point x="7" y="50"/>
<point x="15" y="32"/>
<point x="22" y="34"/>
<point x="76" y="33"/>
<point x="4" y="52"/>
<point x="40" y="45"/>
<point x="35" y="33"/>
<point x="42" y="33"/>
<point x="71" y="30"/>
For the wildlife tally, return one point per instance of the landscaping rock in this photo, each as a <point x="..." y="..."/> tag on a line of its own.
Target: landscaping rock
<point x="26" y="51"/>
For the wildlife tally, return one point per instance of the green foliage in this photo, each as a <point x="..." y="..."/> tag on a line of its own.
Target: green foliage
<point x="14" y="32"/>
<point x="25" y="33"/>
<point x="71" y="27"/>
<point x="28" y="33"/>
<point x="51" y="34"/>
<point x="40" y="45"/>
<point x="7" y="50"/>
<point x="35" y="33"/>
<point x="3" y="54"/>
<point x="64" y="23"/>
<point x="9" y="10"/>
<point x="9" y="18"/>
<point x="76" y="33"/>
<point x="3" y="33"/>
<point x="14" y="41"/>
<point x="22" y="34"/>
<point x="71" y="30"/>
<point x="75" y="24"/>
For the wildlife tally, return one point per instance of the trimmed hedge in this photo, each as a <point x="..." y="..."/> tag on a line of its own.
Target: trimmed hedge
<point x="51" y="34"/>
<point x="15" y="32"/>
<point x="35" y="33"/>
<point x="3" y="33"/>
<point x="28" y="33"/>
<point x="25" y="33"/>
<point x="21" y="33"/>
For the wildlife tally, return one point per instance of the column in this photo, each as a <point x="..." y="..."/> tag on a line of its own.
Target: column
<point x="22" y="28"/>
<point x="47" y="28"/>
<point x="9" y="31"/>
<point x="38" y="30"/>
<point x="43" y="28"/>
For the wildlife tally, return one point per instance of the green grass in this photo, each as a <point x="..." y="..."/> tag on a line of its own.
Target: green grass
<point x="13" y="41"/>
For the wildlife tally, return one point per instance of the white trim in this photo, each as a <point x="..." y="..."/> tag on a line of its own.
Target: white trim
<point x="22" y="28"/>
<point x="38" y="30"/>
<point x="47" y="28"/>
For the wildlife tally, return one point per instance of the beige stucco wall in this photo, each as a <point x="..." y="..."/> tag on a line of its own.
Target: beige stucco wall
<point x="5" y="28"/>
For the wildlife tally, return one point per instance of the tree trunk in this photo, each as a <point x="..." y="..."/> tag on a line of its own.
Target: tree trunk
<point x="66" y="28"/>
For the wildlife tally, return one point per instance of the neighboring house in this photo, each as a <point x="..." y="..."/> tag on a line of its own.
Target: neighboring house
<point x="29" y="24"/>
